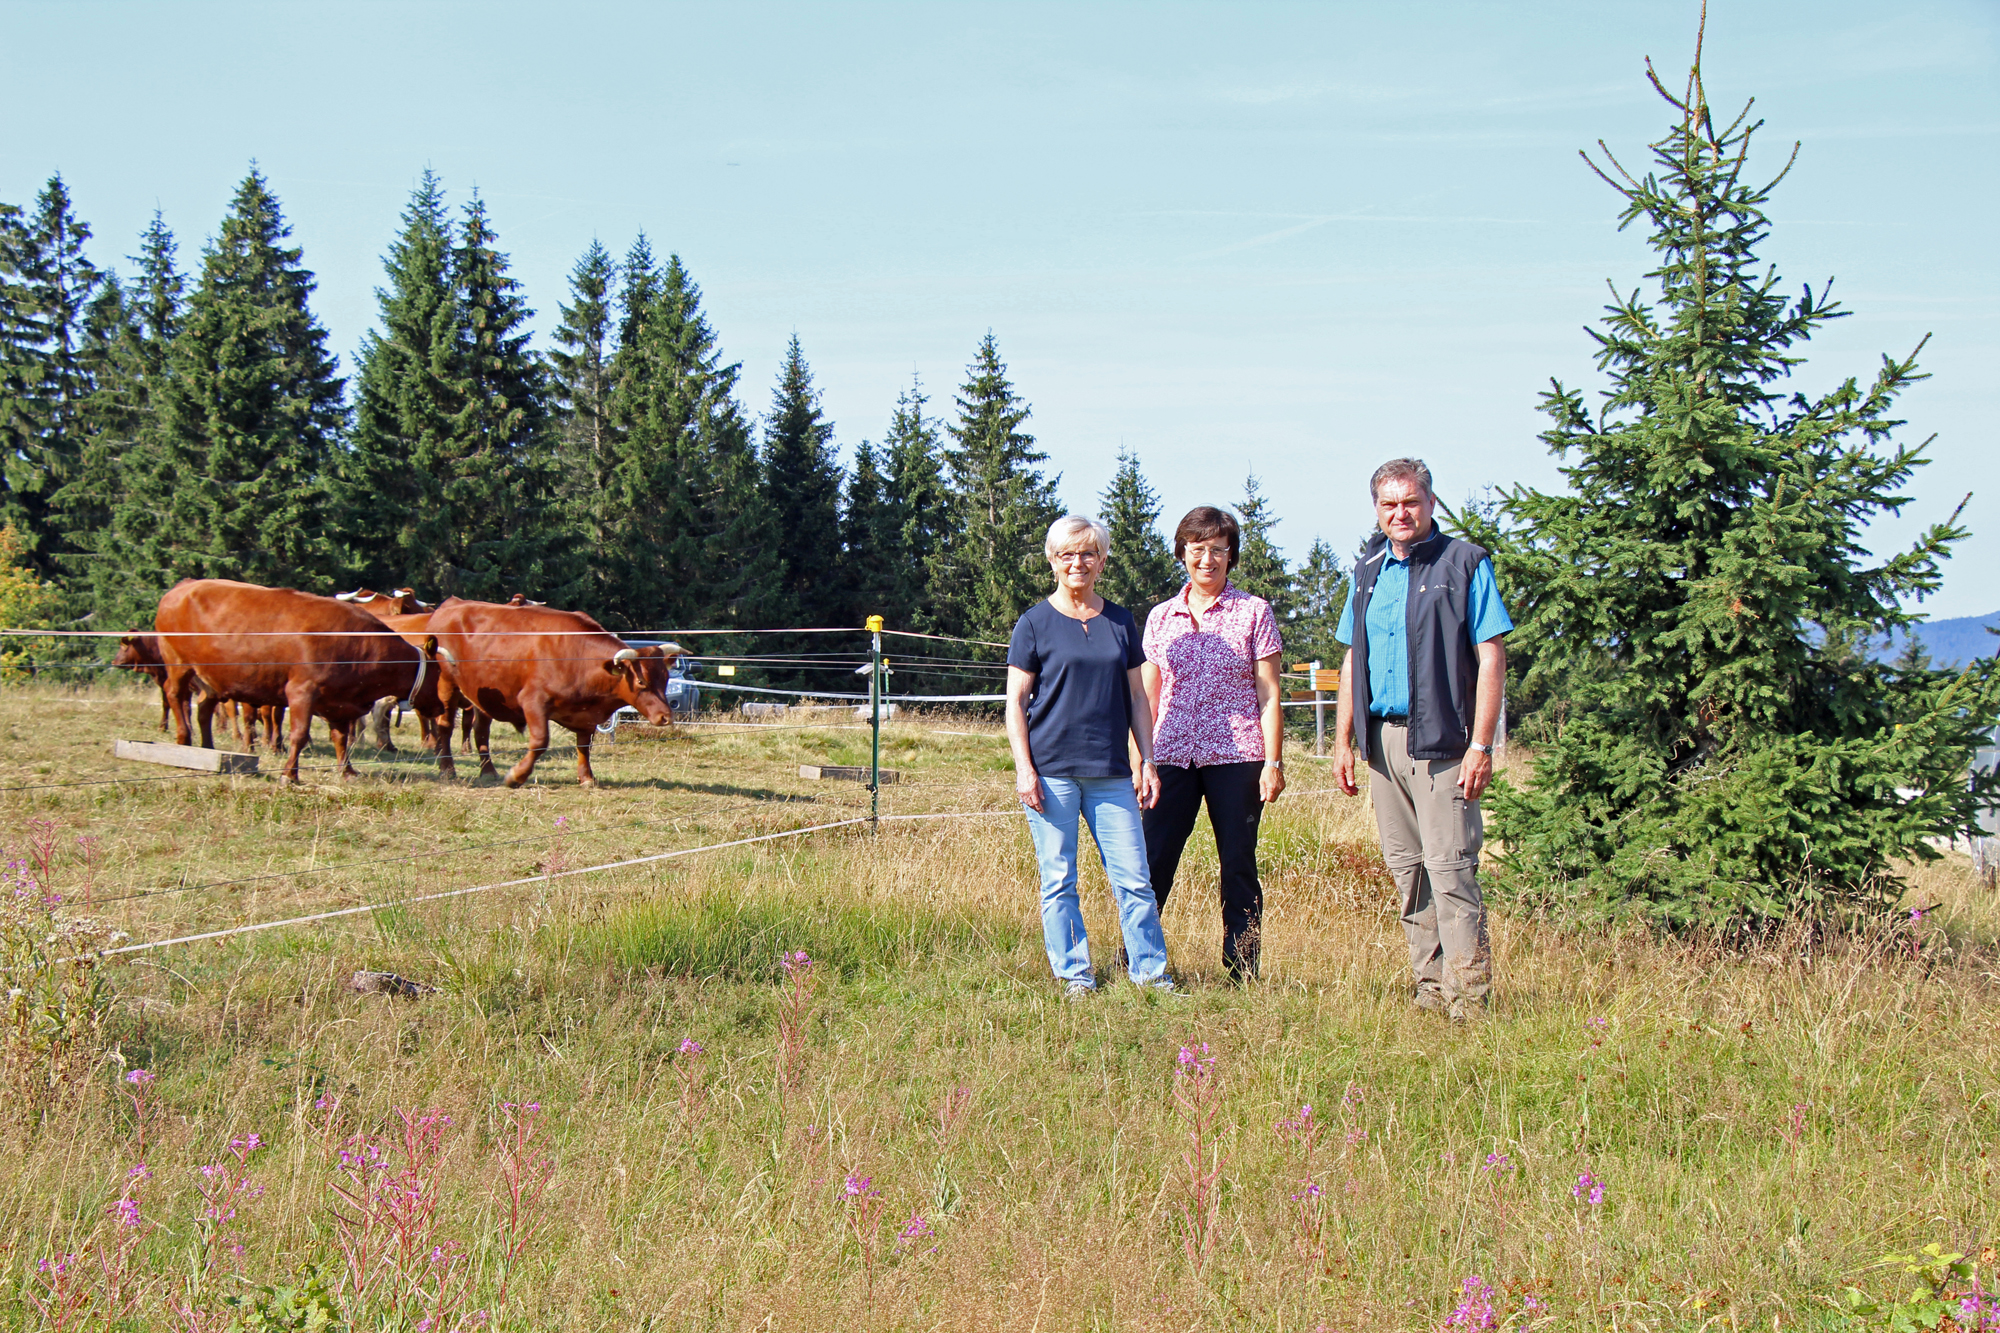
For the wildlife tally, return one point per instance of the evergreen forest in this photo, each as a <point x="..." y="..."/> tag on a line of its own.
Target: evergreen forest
<point x="189" y="420"/>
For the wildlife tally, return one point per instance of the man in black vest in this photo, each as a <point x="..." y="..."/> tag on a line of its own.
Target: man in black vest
<point x="1420" y="698"/>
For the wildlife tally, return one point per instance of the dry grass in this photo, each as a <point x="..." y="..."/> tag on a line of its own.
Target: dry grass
<point x="1765" y="1125"/>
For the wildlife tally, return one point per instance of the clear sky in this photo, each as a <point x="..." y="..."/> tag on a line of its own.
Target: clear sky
<point x="1288" y="239"/>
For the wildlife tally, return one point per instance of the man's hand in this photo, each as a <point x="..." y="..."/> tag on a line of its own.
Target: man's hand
<point x="1146" y="785"/>
<point x="1475" y="772"/>
<point x="1028" y="786"/>
<point x="1343" y="767"/>
<point x="1270" y="783"/>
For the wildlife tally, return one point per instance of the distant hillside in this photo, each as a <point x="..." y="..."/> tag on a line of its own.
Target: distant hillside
<point x="1951" y="643"/>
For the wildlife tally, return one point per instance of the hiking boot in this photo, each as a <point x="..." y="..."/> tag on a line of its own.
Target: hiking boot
<point x="1468" y="1011"/>
<point x="1431" y="1002"/>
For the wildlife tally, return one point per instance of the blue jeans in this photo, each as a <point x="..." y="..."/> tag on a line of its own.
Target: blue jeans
<point x="1112" y="811"/>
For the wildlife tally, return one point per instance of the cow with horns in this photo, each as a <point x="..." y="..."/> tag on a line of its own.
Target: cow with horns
<point x="404" y="612"/>
<point x="274" y="647"/>
<point x="532" y="665"/>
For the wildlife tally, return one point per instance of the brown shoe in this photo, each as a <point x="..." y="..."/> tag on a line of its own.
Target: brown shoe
<point x="1468" y="1011"/>
<point x="1431" y="1002"/>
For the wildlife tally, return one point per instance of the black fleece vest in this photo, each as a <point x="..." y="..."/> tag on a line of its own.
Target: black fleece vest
<point x="1444" y="662"/>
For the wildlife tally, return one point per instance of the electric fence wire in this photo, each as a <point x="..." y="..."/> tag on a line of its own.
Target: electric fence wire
<point x="545" y="877"/>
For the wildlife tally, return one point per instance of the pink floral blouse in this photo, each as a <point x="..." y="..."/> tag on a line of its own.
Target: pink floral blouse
<point x="1208" y="678"/>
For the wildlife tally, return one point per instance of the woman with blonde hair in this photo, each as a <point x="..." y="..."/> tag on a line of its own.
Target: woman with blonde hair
<point x="1073" y="696"/>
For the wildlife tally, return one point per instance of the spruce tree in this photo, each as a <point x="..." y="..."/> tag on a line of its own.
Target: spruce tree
<point x="502" y="491"/>
<point x="20" y="356"/>
<point x="409" y="393"/>
<point x="1319" y="592"/>
<point x="919" y="507"/>
<point x="1141" y="572"/>
<point x="582" y="384"/>
<point x="802" y="482"/>
<point x="60" y="283"/>
<point x="447" y="486"/>
<point x="993" y="566"/>
<point x="871" y="556"/>
<point x="685" y="538"/>
<point x="1723" y="757"/>
<point x="248" y="416"/>
<point x="1260" y="566"/>
<point x="131" y="332"/>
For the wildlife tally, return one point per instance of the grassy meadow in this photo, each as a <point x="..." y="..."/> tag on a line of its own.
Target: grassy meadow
<point x="610" y="1106"/>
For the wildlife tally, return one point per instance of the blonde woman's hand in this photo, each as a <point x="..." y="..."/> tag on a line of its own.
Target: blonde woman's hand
<point x="1146" y="785"/>
<point x="1028" y="787"/>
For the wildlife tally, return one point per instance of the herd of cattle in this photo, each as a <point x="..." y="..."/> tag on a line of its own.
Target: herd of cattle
<point x="261" y="653"/>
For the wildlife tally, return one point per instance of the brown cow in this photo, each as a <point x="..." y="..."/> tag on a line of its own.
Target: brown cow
<point x="276" y="647"/>
<point x="407" y="614"/>
<point x="141" y="653"/>
<point x="532" y="665"/>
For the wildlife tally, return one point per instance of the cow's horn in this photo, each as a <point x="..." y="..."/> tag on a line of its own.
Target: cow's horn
<point x="344" y="596"/>
<point x="625" y="655"/>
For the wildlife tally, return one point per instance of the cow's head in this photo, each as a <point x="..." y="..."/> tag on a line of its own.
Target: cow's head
<point x="642" y="679"/>
<point x="522" y="599"/>
<point x="130" y="655"/>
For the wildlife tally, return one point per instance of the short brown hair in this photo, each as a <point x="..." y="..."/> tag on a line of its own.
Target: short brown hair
<point x="1401" y="469"/>
<point x="1203" y="523"/>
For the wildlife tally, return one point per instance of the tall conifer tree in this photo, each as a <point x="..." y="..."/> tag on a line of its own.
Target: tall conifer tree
<point x="1141" y="572"/>
<point x="685" y="537"/>
<point x="235" y="485"/>
<point x="502" y="491"/>
<point x="60" y="284"/>
<point x="586" y="344"/>
<point x="132" y="334"/>
<point x="993" y="568"/>
<point x="919" y="506"/>
<point x="1726" y="757"/>
<point x="409" y="394"/>
<point x="1260" y="566"/>
<point x="871" y="543"/>
<point x="802" y="481"/>
<point x="20" y="356"/>
<point x="1319" y="593"/>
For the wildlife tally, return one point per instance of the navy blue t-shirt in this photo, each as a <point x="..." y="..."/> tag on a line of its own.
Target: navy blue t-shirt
<point x="1080" y="710"/>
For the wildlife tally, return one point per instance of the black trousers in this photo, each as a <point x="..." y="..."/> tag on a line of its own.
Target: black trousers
<point x="1235" y="812"/>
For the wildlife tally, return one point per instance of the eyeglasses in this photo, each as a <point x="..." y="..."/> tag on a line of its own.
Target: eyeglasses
<point x="1212" y="552"/>
<point x="1081" y="557"/>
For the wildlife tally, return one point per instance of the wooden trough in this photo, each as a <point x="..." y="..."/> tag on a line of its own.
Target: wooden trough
<point x="185" y="756"/>
<point x="843" y="773"/>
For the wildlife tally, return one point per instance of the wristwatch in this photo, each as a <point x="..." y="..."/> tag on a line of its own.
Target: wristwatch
<point x="1483" y="749"/>
<point x="1278" y="764"/>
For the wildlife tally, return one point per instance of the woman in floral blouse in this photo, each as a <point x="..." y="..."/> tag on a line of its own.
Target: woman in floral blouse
<point x="1211" y="675"/>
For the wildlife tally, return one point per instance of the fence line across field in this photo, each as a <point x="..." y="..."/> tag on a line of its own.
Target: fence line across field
<point x="547" y="877"/>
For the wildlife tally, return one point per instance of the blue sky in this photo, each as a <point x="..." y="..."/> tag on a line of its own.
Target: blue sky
<point x="1288" y="239"/>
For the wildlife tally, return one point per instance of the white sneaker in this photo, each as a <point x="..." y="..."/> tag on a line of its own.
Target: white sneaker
<point x="1078" y="990"/>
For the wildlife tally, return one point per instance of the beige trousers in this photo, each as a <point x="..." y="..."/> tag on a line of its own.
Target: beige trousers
<point x="1431" y="837"/>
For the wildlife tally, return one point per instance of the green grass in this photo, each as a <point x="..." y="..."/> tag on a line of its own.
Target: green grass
<point x="1766" y="1124"/>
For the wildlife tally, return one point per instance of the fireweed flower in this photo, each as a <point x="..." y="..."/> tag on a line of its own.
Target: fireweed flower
<point x="1357" y="1137"/>
<point x="1497" y="1162"/>
<point x="1196" y="1059"/>
<point x="1475" y="1308"/>
<point x="127" y="1212"/>
<point x="140" y="1172"/>
<point x="689" y="1046"/>
<point x="859" y="1187"/>
<point x="140" y="1078"/>
<point x="915" y="1229"/>
<point x="1588" y="1188"/>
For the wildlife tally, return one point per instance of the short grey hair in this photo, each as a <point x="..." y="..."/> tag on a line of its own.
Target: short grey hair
<point x="1401" y="469"/>
<point x="1068" y="526"/>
